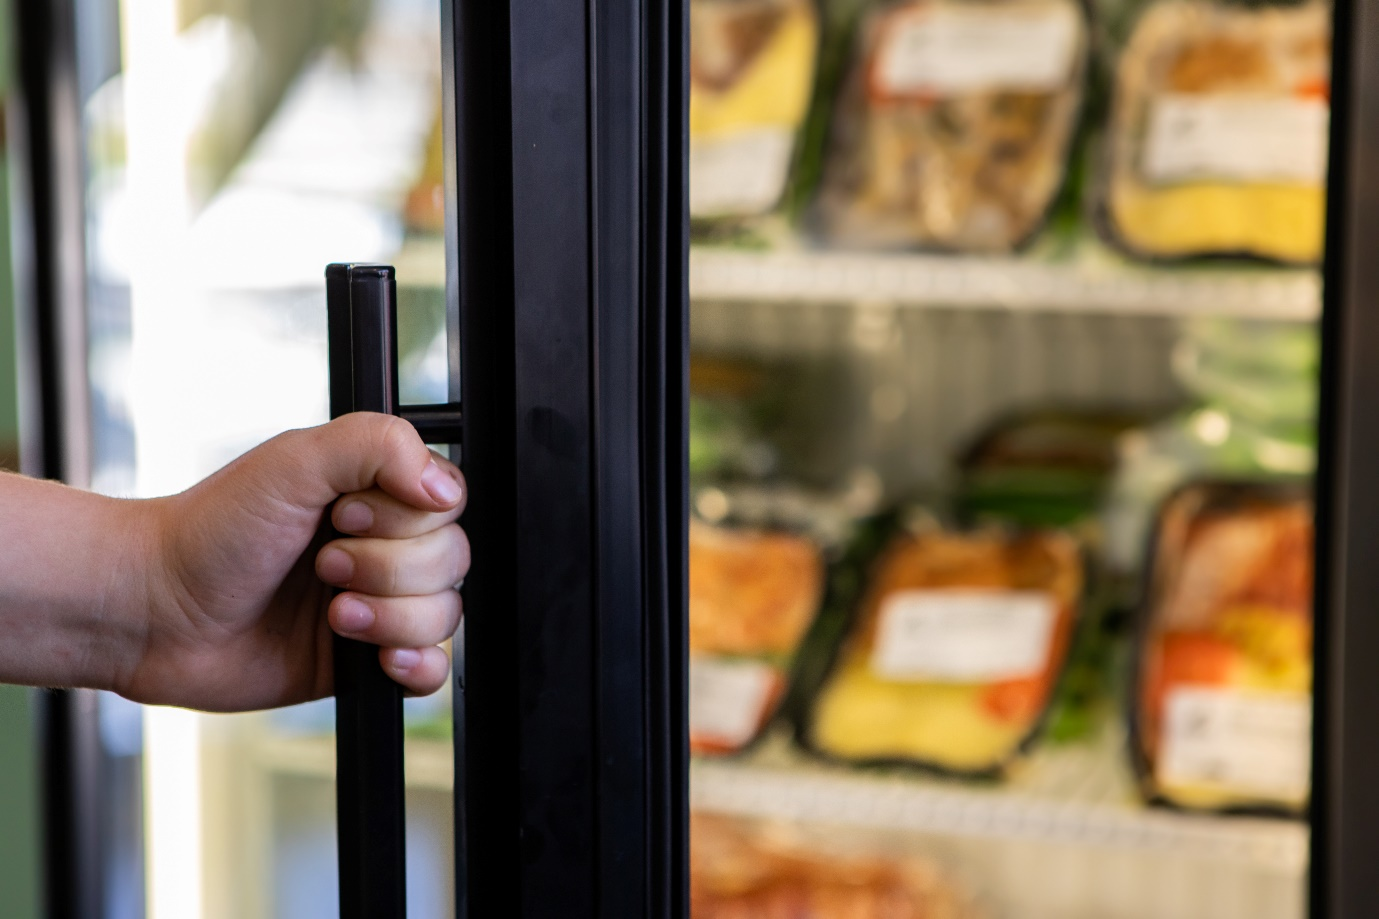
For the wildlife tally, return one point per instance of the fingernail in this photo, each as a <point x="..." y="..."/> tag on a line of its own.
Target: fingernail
<point x="439" y="485"/>
<point x="355" y="517"/>
<point x="353" y="615"/>
<point x="334" y="566"/>
<point x="405" y="659"/>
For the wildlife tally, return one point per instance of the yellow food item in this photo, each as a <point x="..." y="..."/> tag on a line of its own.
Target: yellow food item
<point x="1276" y="646"/>
<point x="1227" y="200"/>
<point x="771" y="88"/>
<point x="424" y="209"/>
<point x="945" y="720"/>
<point x="1282" y="221"/>
<point x="751" y="76"/>
<point x="862" y="716"/>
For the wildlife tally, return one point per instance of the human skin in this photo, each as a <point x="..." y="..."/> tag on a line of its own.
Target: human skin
<point x="219" y="598"/>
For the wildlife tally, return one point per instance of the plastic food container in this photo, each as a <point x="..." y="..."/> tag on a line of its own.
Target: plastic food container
<point x="741" y="869"/>
<point x="752" y="596"/>
<point x="1222" y="679"/>
<point x="1046" y="467"/>
<point x="953" y="128"/>
<point x="752" y="68"/>
<point x="1218" y="135"/>
<point x="953" y="653"/>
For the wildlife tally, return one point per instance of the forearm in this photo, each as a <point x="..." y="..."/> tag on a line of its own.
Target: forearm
<point x="73" y="569"/>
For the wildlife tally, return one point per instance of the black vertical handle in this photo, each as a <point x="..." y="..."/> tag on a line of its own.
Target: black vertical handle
<point x="370" y="792"/>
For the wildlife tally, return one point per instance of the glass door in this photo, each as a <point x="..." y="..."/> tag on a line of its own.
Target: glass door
<point x="231" y="151"/>
<point x="520" y="168"/>
<point x="1004" y="386"/>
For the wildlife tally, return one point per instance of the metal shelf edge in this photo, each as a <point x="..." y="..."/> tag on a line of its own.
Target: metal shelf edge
<point x="1003" y="283"/>
<point x="895" y="803"/>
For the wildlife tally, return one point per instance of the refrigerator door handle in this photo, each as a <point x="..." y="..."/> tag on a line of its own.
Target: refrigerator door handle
<point x="361" y="306"/>
<point x="437" y="424"/>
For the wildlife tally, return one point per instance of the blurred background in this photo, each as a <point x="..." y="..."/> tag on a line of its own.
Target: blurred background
<point x="1002" y="435"/>
<point x="1003" y="398"/>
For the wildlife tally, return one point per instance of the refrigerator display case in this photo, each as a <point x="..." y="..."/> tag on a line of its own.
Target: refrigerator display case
<point x="945" y="569"/>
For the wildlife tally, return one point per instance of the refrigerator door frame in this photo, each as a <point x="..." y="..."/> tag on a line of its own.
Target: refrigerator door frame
<point x="47" y="221"/>
<point x="1345" y="750"/>
<point x="567" y="232"/>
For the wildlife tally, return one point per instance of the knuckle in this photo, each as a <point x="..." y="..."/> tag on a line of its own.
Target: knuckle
<point x="384" y="569"/>
<point x="393" y="576"/>
<point x="459" y="543"/>
<point x="448" y="616"/>
<point x="396" y="438"/>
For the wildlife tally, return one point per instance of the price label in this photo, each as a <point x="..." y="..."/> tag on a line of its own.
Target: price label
<point x="1248" y="743"/>
<point x="963" y="636"/>
<point x="728" y="699"/>
<point x="1236" y="138"/>
<point x="741" y="173"/>
<point x="947" y="50"/>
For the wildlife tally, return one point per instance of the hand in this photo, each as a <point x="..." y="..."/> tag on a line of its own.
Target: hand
<point x="240" y="611"/>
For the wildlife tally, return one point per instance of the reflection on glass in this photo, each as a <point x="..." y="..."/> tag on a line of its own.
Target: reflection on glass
<point x="233" y="151"/>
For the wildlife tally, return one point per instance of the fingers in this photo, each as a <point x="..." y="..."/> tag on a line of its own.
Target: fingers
<point x="360" y="451"/>
<point x="418" y="566"/>
<point x="396" y="622"/>
<point x="374" y="512"/>
<point x="419" y="670"/>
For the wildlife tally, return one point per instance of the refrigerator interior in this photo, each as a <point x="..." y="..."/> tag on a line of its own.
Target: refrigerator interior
<point x="896" y="397"/>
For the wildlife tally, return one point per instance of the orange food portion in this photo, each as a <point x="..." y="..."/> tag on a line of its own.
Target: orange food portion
<point x="751" y="592"/>
<point x="740" y="872"/>
<point x="1186" y="658"/>
<point x="1017" y="700"/>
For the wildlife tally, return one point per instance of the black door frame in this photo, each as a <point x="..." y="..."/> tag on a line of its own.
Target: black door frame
<point x="1345" y="795"/>
<point x="47" y="188"/>
<point x="567" y="230"/>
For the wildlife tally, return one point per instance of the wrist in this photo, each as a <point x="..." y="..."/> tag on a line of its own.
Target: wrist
<point x="73" y="597"/>
<point x="137" y="563"/>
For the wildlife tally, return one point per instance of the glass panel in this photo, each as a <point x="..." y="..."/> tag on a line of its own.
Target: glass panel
<point x="233" y="150"/>
<point x="1004" y="363"/>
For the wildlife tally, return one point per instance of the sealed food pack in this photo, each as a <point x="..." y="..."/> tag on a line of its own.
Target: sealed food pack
<point x="752" y="68"/>
<point x="752" y="596"/>
<point x="1045" y="467"/>
<point x="741" y="869"/>
<point x="1218" y="135"/>
<point x="1222" y="690"/>
<point x="953" y="129"/>
<point x="1054" y="468"/>
<point x="954" y="651"/>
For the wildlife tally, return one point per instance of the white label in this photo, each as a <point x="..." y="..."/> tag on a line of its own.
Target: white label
<point x="963" y="636"/>
<point x="739" y="173"/>
<point x="1253" y="744"/>
<point x="950" y="49"/>
<point x="727" y="698"/>
<point x="1238" y="138"/>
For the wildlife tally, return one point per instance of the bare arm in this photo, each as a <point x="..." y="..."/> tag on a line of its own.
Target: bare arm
<point x="218" y="598"/>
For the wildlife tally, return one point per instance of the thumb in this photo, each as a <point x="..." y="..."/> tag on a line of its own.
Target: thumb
<point x="358" y="451"/>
